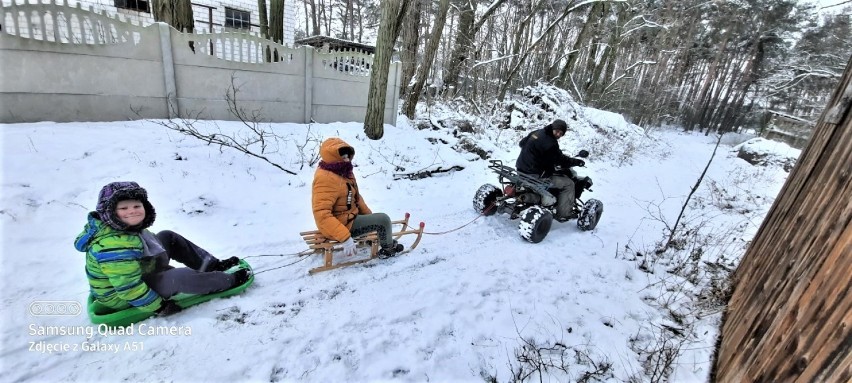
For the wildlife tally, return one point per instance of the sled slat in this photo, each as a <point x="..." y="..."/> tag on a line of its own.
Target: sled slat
<point x="403" y="222"/>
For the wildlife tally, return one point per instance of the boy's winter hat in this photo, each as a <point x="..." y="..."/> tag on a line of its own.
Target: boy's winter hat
<point x="115" y="192"/>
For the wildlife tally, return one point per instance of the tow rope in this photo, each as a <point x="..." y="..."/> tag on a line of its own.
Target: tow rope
<point x="302" y="254"/>
<point x="485" y="211"/>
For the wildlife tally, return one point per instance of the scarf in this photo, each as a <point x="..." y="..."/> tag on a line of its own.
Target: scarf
<point x="342" y="168"/>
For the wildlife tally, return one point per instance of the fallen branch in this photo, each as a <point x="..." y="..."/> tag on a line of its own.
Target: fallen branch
<point x="426" y="173"/>
<point x="688" y="197"/>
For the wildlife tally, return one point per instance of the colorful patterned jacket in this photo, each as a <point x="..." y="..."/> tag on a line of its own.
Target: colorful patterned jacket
<point x="115" y="265"/>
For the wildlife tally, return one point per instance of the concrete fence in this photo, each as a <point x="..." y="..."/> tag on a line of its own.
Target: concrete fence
<point x="62" y="63"/>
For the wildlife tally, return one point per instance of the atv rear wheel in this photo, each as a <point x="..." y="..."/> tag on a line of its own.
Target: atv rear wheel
<point x="483" y="201"/>
<point x="535" y="224"/>
<point x="590" y="215"/>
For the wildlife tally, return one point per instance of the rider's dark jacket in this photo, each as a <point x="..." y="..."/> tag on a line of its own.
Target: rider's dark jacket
<point x="540" y="153"/>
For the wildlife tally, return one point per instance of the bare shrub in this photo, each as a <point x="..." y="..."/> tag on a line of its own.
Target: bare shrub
<point x="308" y="149"/>
<point x="536" y="360"/>
<point x="259" y="140"/>
<point x="659" y="353"/>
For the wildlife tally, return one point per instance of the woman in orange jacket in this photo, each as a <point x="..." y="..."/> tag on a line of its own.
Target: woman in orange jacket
<point x="339" y="209"/>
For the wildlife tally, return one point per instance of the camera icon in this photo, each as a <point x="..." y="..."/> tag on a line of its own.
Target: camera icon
<point x="55" y="308"/>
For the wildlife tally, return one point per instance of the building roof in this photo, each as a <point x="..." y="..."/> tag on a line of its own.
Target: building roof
<point x="790" y="117"/>
<point x="335" y="44"/>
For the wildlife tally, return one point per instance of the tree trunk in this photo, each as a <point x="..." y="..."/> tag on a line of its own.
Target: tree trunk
<point x="520" y="36"/>
<point x="276" y="21"/>
<point x="360" y="23"/>
<point x="788" y="314"/>
<point x="389" y="27"/>
<point x="501" y="94"/>
<point x="463" y="42"/>
<point x="326" y="18"/>
<point x="718" y="104"/>
<point x="351" y="8"/>
<point x="177" y="13"/>
<point x="264" y="21"/>
<point x="603" y="72"/>
<point x="315" y="29"/>
<point x="410" y="40"/>
<point x="574" y="53"/>
<point x="749" y="79"/>
<point x="592" y="58"/>
<point x="710" y="103"/>
<point x="705" y="87"/>
<point x="345" y="20"/>
<point x="428" y="57"/>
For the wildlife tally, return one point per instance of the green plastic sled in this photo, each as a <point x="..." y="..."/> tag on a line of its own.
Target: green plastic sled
<point x="100" y="314"/>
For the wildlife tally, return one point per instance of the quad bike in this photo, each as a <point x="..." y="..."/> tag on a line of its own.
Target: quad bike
<point x="533" y="200"/>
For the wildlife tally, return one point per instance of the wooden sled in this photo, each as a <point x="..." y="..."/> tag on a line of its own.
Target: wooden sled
<point x="325" y="246"/>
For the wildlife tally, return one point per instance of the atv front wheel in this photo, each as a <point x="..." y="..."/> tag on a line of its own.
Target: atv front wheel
<point x="483" y="201"/>
<point x="535" y="224"/>
<point x="590" y="215"/>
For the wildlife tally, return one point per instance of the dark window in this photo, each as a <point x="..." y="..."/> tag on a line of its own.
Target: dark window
<point x="235" y="18"/>
<point x="136" y="5"/>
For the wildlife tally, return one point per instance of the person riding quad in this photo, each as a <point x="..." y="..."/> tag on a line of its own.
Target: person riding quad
<point x="539" y="158"/>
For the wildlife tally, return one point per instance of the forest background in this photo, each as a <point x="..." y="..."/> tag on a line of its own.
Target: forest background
<point x="711" y="66"/>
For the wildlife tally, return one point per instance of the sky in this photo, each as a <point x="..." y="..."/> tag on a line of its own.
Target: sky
<point x="459" y="307"/>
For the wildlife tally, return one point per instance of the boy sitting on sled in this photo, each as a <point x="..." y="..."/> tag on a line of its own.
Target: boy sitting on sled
<point x="128" y="266"/>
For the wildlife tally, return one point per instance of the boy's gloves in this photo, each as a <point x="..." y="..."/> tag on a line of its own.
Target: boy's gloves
<point x="577" y="162"/>
<point x="167" y="308"/>
<point x="349" y="247"/>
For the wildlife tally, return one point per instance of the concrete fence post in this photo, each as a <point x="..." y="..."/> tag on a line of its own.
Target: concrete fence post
<point x="172" y="107"/>
<point x="396" y="90"/>
<point x="309" y="82"/>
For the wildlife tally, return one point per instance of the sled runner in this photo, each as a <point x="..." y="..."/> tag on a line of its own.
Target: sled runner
<point x="322" y="245"/>
<point x="100" y="314"/>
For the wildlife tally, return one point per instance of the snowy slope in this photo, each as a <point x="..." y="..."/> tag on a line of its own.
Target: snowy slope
<point x="458" y="308"/>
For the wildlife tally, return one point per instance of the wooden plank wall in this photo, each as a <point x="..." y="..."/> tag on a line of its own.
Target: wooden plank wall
<point x="790" y="312"/>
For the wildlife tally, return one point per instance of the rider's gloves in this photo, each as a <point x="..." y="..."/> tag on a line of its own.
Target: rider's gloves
<point x="576" y="162"/>
<point x="348" y="247"/>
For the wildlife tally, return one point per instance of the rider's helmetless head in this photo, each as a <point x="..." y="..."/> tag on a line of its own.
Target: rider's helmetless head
<point x="558" y="127"/>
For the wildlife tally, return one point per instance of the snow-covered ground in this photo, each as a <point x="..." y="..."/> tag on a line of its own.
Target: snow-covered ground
<point x="460" y="307"/>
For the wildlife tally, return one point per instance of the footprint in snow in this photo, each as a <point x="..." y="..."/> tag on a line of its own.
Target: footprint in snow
<point x="234" y="314"/>
<point x="199" y="205"/>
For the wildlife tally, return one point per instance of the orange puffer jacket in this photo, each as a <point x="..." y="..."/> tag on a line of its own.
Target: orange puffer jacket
<point x="332" y="214"/>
